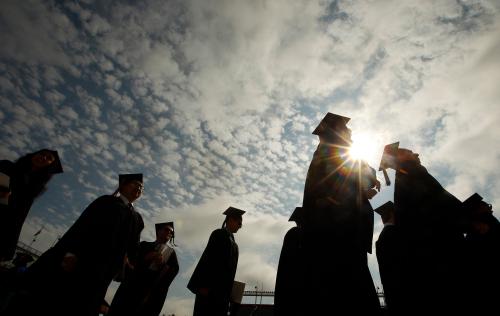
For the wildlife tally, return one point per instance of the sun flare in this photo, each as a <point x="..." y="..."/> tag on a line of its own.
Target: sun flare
<point x="363" y="147"/>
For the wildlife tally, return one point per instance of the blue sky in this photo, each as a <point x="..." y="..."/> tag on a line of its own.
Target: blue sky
<point x="215" y="101"/>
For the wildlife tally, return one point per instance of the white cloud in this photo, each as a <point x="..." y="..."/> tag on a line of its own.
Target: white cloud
<point x="215" y="102"/>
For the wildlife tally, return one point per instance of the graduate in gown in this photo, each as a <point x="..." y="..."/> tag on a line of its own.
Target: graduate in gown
<point x="72" y="277"/>
<point x="389" y="253"/>
<point x="213" y="277"/>
<point x="144" y="289"/>
<point x="483" y="257"/>
<point x="338" y="224"/>
<point x="290" y="284"/>
<point x="20" y="183"/>
<point x="431" y="223"/>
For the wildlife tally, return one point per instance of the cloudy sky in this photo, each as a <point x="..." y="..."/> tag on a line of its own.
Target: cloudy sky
<point x="215" y="101"/>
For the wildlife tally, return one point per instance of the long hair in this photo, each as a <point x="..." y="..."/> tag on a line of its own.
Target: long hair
<point x="37" y="179"/>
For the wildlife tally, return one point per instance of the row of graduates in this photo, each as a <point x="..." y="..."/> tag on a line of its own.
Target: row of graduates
<point x="323" y="264"/>
<point x="103" y="244"/>
<point x="435" y="253"/>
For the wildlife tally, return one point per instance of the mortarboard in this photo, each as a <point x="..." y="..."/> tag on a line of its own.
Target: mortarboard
<point x="232" y="211"/>
<point x="476" y="208"/>
<point x="472" y="200"/>
<point x="387" y="160"/>
<point x="297" y="215"/>
<point x="123" y="178"/>
<point x="385" y="209"/>
<point x="330" y="121"/>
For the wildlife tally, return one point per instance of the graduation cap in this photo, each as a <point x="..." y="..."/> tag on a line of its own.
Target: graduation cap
<point x="476" y="208"/>
<point x="56" y="166"/>
<point x="472" y="200"/>
<point x="330" y="121"/>
<point x="385" y="209"/>
<point x="159" y="226"/>
<point x="124" y="178"/>
<point x="297" y="215"/>
<point x="234" y="212"/>
<point x="387" y="160"/>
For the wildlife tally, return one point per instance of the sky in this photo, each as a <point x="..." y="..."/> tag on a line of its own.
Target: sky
<point x="215" y="102"/>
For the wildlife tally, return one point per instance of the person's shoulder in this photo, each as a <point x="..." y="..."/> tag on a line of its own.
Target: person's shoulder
<point x="146" y="244"/>
<point x="219" y="233"/>
<point x="107" y="198"/>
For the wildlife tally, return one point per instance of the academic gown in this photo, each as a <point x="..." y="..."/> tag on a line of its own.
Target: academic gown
<point x="24" y="187"/>
<point x="389" y="255"/>
<point x="338" y="232"/>
<point x="483" y="262"/>
<point x="431" y="222"/>
<point x="143" y="291"/>
<point x="290" y="286"/>
<point x="215" y="271"/>
<point x="107" y="230"/>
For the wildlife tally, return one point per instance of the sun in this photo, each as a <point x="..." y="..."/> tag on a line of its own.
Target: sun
<point x="363" y="147"/>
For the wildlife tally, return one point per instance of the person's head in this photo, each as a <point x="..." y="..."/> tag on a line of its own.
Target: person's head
<point x="41" y="165"/>
<point x="164" y="232"/>
<point x="407" y="156"/>
<point x="131" y="186"/>
<point x="234" y="219"/>
<point x="333" y="130"/>
<point x="479" y="213"/>
<point x="297" y="216"/>
<point x="42" y="161"/>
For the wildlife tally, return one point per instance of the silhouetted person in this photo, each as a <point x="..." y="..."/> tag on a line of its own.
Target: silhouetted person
<point x="389" y="256"/>
<point x="431" y="223"/>
<point x="144" y="289"/>
<point x="74" y="274"/>
<point x="11" y="277"/>
<point x="483" y="262"/>
<point x="20" y="183"/>
<point x="338" y="225"/>
<point x="212" y="280"/>
<point x="290" y="283"/>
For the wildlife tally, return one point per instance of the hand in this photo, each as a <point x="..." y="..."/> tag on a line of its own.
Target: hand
<point x="4" y="194"/>
<point x="203" y="291"/>
<point x="128" y="264"/>
<point x="377" y="185"/>
<point x="69" y="262"/>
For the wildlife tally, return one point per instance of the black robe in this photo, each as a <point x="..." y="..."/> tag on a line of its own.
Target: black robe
<point x="215" y="271"/>
<point x="483" y="262"/>
<point x="338" y="232"/>
<point x="143" y="291"/>
<point x="389" y="256"/>
<point x="24" y="186"/>
<point x="290" y="284"/>
<point x="431" y="222"/>
<point x="107" y="230"/>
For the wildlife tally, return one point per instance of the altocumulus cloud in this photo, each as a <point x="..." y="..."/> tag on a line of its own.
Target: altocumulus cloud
<point x="214" y="101"/>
